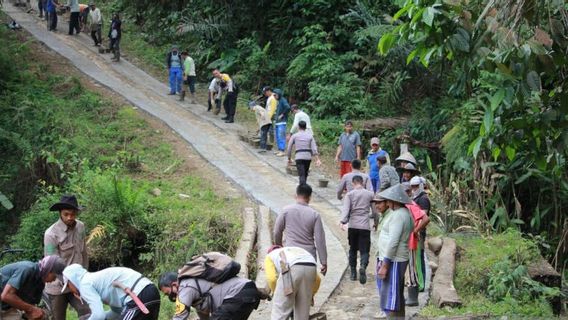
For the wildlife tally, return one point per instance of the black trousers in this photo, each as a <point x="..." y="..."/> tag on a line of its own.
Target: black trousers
<point x="150" y="296"/>
<point x="74" y="23"/>
<point x="303" y="167"/>
<point x="240" y="306"/>
<point x="230" y="104"/>
<point x="52" y="21"/>
<point x="96" y="34"/>
<point x="359" y="240"/>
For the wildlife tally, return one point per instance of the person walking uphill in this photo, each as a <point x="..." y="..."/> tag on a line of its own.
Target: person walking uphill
<point x="175" y="64"/>
<point x="74" y="24"/>
<point x="301" y="226"/>
<point x="127" y="292"/>
<point x="348" y="149"/>
<point x="189" y="75"/>
<point x="66" y="239"/>
<point x="392" y="255"/>
<point x="21" y="286"/>
<point x="291" y="274"/>
<point x="264" y="125"/>
<point x="230" y="103"/>
<point x="115" y="34"/>
<point x="306" y="149"/>
<point x="345" y="184"/>
<point x="300" y="115"/>
<point x="96" y="25"/>
<point x="357" y="207"/>
<point x="375" y="152"/>
<point x="281" y="118"/>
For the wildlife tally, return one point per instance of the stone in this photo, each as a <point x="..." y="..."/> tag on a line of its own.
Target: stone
<point x="435" y="244"/>
<point x="444" y="293"/>
<point x="156" y="192"/>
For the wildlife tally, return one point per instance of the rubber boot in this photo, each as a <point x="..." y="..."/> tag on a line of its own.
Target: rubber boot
<point x="230" y="120"/>
<point x="353" y="274"/>
<point x="412" y="296"/>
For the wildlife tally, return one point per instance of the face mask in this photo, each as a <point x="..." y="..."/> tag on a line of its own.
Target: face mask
<point x="172" y="296"/>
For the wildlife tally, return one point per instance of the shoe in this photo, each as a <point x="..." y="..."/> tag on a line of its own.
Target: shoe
<point x="280" y="154"/>
<point x="225" y="118"/>
<point x="229" y="121"/>
<point x="261" y="151"/>
<point x="362" y="276"/>
<point x="171" y="93"/>
<point x="353" y="276"/>
<point x="412" y="296"/>
<point x="216" y="112"/>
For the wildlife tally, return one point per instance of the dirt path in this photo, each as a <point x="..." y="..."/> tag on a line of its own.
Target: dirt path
<point x="261" y="176"/>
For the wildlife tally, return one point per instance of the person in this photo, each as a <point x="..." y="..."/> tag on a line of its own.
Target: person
<point x="83" y="16"/>
<point x="392" y="255"/>
<point x="301" y="226"/>
<point x="230" y="103"/>
<point x="96" y="24"/>
<point x="175" y="64"/>
<point x="306" y="148"/>
<point x="345" y="184"/>
<point x="387" y="174"/>
<point x="271" y="102"/>
<point x="74" y="17"/>
<point x="51" y="10"/>
<point x="22" y="284"/>
<point x="115" y="33"/>
<point x="304" y="281"/>
<point x="107" y="286"/>
<point x="415" y="277"/>
<point x="420" y="197"/>
<point x="372" y="161"/>
<point x="407" y="172"/>
<point x="189" y="74"/>
<point x="264" y="124"/>
<point x="404" y="159"/>
<point x="41" y="7"/>
<point x="300" y="115"/>
<point x="357" y="206"/>
<point x="66" y="239"/>
<point x="281" y="118"/>
<point x="234" y="298"/>
<point x="348" y="148"/>
<point x="215" y="93"/>
<point x="382" y="210"/>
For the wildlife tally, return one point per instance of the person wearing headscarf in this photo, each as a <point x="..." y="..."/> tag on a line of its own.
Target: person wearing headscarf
<point x="22" y="284"/>
<point x="420" y="197"/>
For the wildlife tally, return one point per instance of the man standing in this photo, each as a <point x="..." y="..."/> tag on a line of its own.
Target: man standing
<point x="387" y="174"/>
<point x="96" y="24"/>
<point x="174" y="62"/>
<point x="189" y="74"/>
<point x="299" y="275"/>
<point x="345" y="184"/>
<point x="22" y="284"/>
<point x="74" y="17"/>
<point x="375" y="152"/>
<point x="215" y="93"/>
<point x="306" y="148"/>
<point x="357" y="207"/>
<point x="66" y="239"/>
<point x="230" y="103"/>
<point x="41" y="8"/>
<point x="392" y="256"/>
<point x="300" y="115"/>
<point x="282" y="110"/>
<point x="302" y="227"/>
<point x="271" y="102"/>
<point x="348" y="149"/>
<point x="51" y="11"/>
<point x="264" y="125"/>
<point x="111" y="286"/>
<point x="233" y="299"/>
<point x="115" y="34"/>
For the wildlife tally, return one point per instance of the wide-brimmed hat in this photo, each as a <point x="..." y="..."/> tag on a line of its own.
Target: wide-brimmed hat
<point x="409" y="167"/>
<point x="408" y="157"/>
<point x="66" y="202"/>
<point x="395" y="193"/>
<point x="378" y="198"/>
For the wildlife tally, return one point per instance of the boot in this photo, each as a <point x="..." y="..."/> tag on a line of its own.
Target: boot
<point x="225" y="118"/>
<point x="412" y="296"/>
<point x="362" y="275"/>
<point x="182" y="95"/>
<point x="353" y="274"/>
<point x="230" y="120"/>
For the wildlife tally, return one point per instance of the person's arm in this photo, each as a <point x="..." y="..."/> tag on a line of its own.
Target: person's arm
<point x="92" y="298"/>
<point x="271" y="107"/>
<point x="358" y="145"/>
<point x="340" y="187"/>
<point x="384" y="179"/>
<point x="49" y="244"/>
<point x="396" y="228"/>
<point x="388" y="158"/>
<point x="338" y="152"/>
<point x="182" y="312"/>
<point x="346" y="209"/>
<point x="319" y="236"/>
<point x="279" y="226"/>
<point x="271" y="274"/>
<point x="10" y="296"/>
<point x="369" y="185"/>
<point x="421" y="224"/>
<point x="294" y="128"/>
<point x="290" y="144"/>
<point x="315" y="152"/>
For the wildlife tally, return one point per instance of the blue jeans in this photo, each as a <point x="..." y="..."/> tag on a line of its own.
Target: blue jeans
<point x="280" y="133"/>
<point x="375" y="183"/>
<point x="176" y="79"/>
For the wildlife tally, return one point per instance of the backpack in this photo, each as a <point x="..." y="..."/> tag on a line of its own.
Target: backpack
<point x="211" y="266"/>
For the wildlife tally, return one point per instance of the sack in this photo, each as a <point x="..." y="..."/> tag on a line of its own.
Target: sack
<point x="114" y="34"/>
<point x="211" y="266"/>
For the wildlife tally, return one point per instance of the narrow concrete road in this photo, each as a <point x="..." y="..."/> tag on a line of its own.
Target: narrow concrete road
<point x="261" y="176"/>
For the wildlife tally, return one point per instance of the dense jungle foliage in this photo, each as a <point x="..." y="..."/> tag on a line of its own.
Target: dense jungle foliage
<point x="484" y="78"/>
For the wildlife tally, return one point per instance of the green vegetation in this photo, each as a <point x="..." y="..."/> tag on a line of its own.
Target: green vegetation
<point x="58" y="137"/>
<point x="495" y="282"/>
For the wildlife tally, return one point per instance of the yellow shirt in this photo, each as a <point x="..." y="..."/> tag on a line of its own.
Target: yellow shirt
<point x="271" y="105"/>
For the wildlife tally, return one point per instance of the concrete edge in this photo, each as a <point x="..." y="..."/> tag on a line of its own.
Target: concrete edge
<point x="246" y="243"/>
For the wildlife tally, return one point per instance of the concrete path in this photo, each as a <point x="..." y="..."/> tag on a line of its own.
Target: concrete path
<point x="263" y="177"/>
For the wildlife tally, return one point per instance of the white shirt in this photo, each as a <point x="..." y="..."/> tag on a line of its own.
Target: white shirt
<point x="96" y="16"/>
<point x="301" y="116"/>
<point x="216" y="88"/>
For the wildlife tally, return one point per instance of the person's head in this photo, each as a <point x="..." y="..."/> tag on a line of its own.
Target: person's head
<point x="267" y="91"/>
<point x="375" y="144"/>
<point x="408" y="171"/>
<point x="356" y="164"/>
<point x="175" y="49"/>
<point x="68" y="208"/>
<point x="381" y="160"/>
<point x="406" y="188"/>
<point x="395" y="196"/>
<point x="357" y="181"/>
<point x="294" y="108"/>
<point x="216" y="73"/>
<point x="184" y="53"/>
<point x="72" y="276"/>
<point x="92" y="5"/>
<point x="278" y="93"/>
<point x="407" y="175"/>
<point x="169" y="285"/>
<point x="417" y="185"/>
<point x="302" y="125"/>
<point x="380" y="204"/>
<point x="348" y="126"/>
<point x="116" y="16"/>
<point x="50" y="267"/>
<point x="304" y="192"/>
<point x="404" y="159"/>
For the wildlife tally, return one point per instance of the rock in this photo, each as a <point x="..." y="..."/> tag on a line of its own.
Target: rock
<point x="544" y="273"/>
<point x="444" y="293"/>
<point x="156" y="192"/>
<point x="184" y="196"/>
<point x="435" y="244"/>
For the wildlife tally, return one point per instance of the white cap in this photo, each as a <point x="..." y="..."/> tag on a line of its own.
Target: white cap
<point x="416" y="180"/>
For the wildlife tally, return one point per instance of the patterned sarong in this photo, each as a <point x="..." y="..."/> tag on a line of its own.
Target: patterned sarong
<point x="391" y="289"/>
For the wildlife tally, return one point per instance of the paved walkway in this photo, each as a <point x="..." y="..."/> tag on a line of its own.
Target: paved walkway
<point x="263" y="177"/>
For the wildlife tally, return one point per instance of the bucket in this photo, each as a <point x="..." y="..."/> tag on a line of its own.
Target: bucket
<point x="323" y="183"/>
